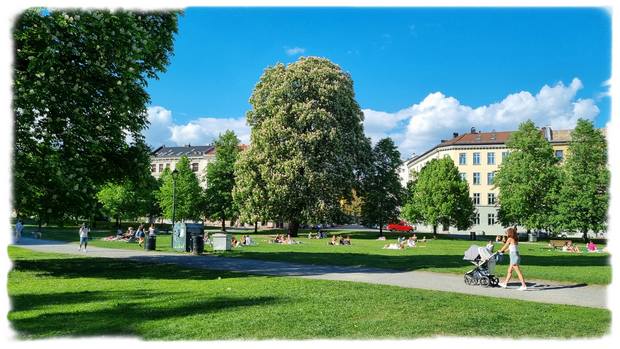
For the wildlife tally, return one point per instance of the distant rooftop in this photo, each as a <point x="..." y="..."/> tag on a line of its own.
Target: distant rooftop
<point x="188" y="150"/>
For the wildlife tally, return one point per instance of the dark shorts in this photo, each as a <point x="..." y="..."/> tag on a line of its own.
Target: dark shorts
<point x="83" y="241"/>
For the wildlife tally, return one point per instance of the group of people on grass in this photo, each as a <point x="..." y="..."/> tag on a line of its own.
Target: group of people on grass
<point x="285" y="240"/>
<point x="132" y="235"/>
<point x="246" y="240"/>
<point x="403" y="243"/>
<point x="339" y="240"/>
<point x="319" y="235"/>
<point x="570" y="247"/>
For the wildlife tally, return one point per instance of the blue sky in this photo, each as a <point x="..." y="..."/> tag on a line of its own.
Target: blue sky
<point x="412" y="67"/>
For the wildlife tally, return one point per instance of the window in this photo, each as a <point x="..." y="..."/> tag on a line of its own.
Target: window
<point x="491" y="198"/>
<point x="490" y="158"/>
<point x="476" y="178"/>
<point x="491" y="219"/>
<point x="462" y="159"/>
<point x="195" y="167"/>
<point x="559" y="154"/>
<point x="153" y="168"/>
<point x="463" y="176"/>
<point x="490" y="178"/>
<point x="504" y="155"/>
<point x="476" y="198"/>
<point x="161" y="167"/>
<point x="476" y="158"/>
<point x="477" y="218"/>
<point x="168" y="165"/>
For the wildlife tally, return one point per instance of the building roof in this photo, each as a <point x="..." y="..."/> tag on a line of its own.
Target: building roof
<point x="188" y="150"/>
<point x="495" y="138"/>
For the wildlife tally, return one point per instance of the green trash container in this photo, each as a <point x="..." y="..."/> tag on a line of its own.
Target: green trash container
<point x="150" y="243"/>
<point x="198" y="244"/>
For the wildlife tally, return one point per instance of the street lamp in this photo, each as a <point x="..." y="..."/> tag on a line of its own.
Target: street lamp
<point x="175" y="174"/>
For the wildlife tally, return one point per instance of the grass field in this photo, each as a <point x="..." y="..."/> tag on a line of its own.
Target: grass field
<point x="441" y="255"/>
<point x="57" y="295"/>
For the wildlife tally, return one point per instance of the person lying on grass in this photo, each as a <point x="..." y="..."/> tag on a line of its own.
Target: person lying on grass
<point x="569" y="247"/>
<point x="592" y="247"/>
<point x="393" y="246"/>
<point x="345" y="241"/>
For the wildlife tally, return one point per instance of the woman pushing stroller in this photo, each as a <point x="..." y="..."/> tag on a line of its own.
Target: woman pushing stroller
<point x="512" y="245"/>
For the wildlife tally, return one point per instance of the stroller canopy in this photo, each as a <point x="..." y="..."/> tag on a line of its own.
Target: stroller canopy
<point x="474" y="251"/>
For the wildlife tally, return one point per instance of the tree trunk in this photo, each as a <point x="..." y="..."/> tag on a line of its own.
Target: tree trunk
<point x="585" y="235"/>
<point x="434" y="231"/>
<point x="293" y="228"/>
<point x="255" y="227"/>
<point x="118" y="221"/>
<point x="40" y="223"/>
<point x="223" y="223"/>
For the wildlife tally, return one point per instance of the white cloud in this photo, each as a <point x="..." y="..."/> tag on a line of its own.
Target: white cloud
<point x="422" y="125"/>
<point x="295" y="51"/>
<point x="201" y="131"/>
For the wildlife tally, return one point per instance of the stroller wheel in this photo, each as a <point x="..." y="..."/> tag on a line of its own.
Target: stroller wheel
<point x="469" y="280"/>
<point x="494" y="281"/>
<point x="485" y="281"/>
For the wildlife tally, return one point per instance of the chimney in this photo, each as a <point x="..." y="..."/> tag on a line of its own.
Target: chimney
<point x="473" y="130"/>
<point x="493" y="135"/>
<point x="548" y="133"/>
<point x="455" y="134"/>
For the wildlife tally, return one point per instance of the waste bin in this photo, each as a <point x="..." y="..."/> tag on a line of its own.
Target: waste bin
<point x="149" y="244"/>
<point x="531" y="237"/>
<point x="198" y="244"/>
<point x="222" y="242"/>
<point x="182" y="236"/>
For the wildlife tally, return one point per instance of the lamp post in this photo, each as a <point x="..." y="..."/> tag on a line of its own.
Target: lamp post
<point x="175" y="173"/>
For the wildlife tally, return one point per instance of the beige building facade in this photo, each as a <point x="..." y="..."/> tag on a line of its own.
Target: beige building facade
<point x="478" y="156"/>
<point x="167" y="157"/>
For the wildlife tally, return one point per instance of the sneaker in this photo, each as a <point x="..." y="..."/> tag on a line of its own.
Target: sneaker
<point x="502" y="285"/>
<point x="522" y="288"/>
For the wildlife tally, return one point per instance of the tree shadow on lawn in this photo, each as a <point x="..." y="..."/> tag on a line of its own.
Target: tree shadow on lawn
<point x="119" y="318"/>
<point x="115" y="269"/>
<point x="412" y="262"/>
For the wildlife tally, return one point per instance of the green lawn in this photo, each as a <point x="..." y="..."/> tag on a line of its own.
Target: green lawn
<point x="57" y="295"/>
<point x="442" y="255"/>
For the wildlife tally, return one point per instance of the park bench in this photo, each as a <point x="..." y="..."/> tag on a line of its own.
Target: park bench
<point x="557" y="243"/>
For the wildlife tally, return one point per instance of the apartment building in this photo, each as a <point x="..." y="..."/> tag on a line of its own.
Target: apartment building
<point x="478" y="156"/>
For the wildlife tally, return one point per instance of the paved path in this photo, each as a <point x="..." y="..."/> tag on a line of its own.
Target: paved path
<point x="539" y="291"/>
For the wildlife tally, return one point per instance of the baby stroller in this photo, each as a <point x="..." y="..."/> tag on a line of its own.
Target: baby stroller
<point x="484" y="261"/>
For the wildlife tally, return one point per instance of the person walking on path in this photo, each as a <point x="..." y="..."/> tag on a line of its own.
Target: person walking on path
<point x="19" y="227"/>
<point x="512" y="245"/>
<point x="83" y="236"/>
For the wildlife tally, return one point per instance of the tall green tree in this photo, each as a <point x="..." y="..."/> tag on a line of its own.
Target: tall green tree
<point x="584" y="194"/>
<point x="383" y="193"/>
<point x="78" y="96"/>
<point x="307" y="141"/>
<point x="528" y="180"/>
<point x="220" y="178"/>
<point x="250" y="191"/>
<point x="440" y="196"/>
<point x="188" y="197"/>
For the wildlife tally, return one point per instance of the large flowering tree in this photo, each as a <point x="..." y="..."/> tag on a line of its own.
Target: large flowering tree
<point x="307" y="145"/>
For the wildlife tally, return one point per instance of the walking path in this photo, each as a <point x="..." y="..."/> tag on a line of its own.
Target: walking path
<point x="539" y="291"/>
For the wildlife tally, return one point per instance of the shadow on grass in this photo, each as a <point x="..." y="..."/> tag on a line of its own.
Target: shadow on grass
<point x="118" y="317"/>
<point x="114" y="269"/>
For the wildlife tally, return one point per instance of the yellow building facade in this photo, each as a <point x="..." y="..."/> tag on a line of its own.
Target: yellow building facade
<point x="478" y="156"/>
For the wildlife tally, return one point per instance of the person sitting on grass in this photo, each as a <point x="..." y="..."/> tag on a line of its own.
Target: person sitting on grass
<point x="411" y="242"/>
<point x="140" y="235"/>
<point x="490" y="246"/>
<point x="347" y="240"/>
<point x="310" y="235"/>
<point x="591" y="247"/>
<point x="333" y="241"/>
<point x="414" y="237"/>
<point x="381" y="238"/>
<point x="234" y="242"/>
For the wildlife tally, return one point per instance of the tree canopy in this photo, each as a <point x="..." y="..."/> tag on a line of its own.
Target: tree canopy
<point x="220" y="179"/>
<point x="188" y="197"/>
<point x="528" y="180"/>
<point x="439" y="196"/>
<point x="584" y="191"/>
<point x="306" y="145"/>
<point x="383" y="194"/>
<point x="80" y="103"/>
